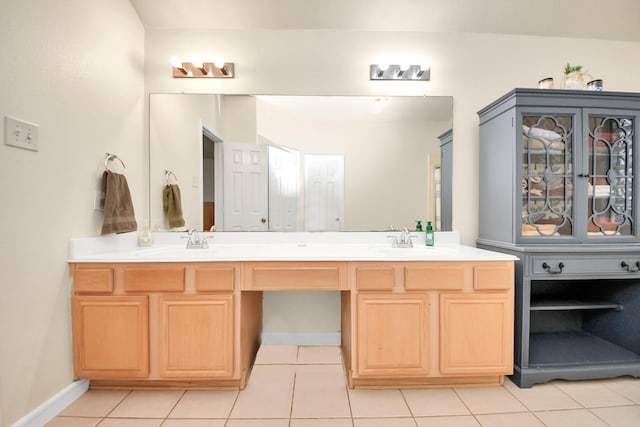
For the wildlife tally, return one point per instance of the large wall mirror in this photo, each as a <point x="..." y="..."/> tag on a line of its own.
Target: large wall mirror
<point x="295" y="163"/>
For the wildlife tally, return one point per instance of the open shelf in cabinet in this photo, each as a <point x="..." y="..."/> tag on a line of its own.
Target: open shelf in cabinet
<point x="555" y="304"/>
<point x="584" y="322"/>
<point x="575" y="348"/>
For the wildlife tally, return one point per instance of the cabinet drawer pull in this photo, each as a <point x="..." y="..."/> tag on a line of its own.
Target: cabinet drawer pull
<point x="547" y="267"/>
<point x="628" y="268"/>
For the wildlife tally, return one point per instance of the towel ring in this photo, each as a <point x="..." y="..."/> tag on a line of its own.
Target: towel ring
<point x="167" y="176"/>
<point x="113" y="157"/>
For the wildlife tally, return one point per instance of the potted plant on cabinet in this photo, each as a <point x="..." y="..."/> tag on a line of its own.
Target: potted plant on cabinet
<point x="573" y="76"/>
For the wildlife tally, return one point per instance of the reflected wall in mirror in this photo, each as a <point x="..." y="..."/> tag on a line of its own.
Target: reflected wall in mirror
<point x="349" y="163"/>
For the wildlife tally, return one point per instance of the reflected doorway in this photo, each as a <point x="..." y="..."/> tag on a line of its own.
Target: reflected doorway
<point x="211" y="179"/>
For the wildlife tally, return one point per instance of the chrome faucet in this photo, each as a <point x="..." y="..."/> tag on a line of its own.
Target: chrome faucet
<point x="403" y="240"/>
<point x="196" y="241"/>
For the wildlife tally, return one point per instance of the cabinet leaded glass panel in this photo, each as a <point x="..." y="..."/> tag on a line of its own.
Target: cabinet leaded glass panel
<point x="547" y="175"/>
<point x="610" y="187"/>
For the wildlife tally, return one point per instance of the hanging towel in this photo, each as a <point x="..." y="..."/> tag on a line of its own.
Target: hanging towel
<point x="118" y="208"/>
<point x="172" y="205"/>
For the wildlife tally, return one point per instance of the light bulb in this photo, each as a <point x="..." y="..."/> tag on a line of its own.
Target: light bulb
<point x="218" y="62"/>
<point x="197" y="62"/>
<point x="176" y="62"/>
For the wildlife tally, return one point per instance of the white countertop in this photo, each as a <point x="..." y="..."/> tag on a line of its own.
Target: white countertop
<point x="276" y="246"/>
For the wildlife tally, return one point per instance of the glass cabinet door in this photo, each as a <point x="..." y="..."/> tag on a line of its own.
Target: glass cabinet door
<point x="547" y="175"/>
<point x="610" y="176"/>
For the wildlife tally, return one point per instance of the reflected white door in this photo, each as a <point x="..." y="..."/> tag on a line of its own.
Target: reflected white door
<point x="246" y="184"/>
<point x="283" y="189"/>
<point x="324" y="192"/>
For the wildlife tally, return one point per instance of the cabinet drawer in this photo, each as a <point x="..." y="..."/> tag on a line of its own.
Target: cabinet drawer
<point x="442" y="276"/>
<point x="210" y="279"/>
<point x="154" y="278"/>
<point x="98" y="279"/>
<point x="557" y="266"/>
<point x="493" y="276"/>
<point x="295" y="275"/>
<point x="375" y="278"/>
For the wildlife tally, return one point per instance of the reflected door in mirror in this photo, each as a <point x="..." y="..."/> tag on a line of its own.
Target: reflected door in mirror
<point x="245" y="187"/>
<point x="324" y="192"/>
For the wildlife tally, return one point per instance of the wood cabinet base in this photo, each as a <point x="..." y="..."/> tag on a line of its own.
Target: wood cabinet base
<point x="171" y="384"/>
<point x="422" y="382"/>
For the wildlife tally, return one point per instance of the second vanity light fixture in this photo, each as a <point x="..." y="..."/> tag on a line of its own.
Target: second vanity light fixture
<point x="196" y="68"/>
<point x="399" y="72"/>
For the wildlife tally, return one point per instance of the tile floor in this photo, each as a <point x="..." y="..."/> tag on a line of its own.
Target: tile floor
<point x="305" y="387"/>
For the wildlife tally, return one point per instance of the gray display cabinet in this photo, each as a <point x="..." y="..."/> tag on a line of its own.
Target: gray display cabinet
<point x="558" y="190"/>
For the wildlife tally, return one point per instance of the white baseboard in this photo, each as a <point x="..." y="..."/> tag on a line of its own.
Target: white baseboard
<point x="301" y="338"/>
<point x="54" y="405"/>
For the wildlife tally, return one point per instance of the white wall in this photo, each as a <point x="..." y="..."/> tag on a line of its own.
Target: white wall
<point x="66" y="68"/>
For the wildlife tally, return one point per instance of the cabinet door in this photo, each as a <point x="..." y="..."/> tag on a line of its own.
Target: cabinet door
<point x="476" y="334"/>
<point x="393" y="335"/>
<point x="609" y="171"/>
<point x="110" y="337"/>
<point x="196" y="336"/>
<point x="548" y="147"/>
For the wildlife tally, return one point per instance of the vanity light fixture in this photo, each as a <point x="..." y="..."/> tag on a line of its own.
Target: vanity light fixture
<point x="196" y="68"/>
<point x="399" y="72"/>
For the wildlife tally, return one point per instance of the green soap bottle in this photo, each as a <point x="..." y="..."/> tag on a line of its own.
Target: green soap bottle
<point x="429" y="238"/>
<point x="418" y="225"/>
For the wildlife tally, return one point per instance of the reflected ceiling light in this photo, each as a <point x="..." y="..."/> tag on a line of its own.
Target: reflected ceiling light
<point x="399" y="72"/>
<point x="196" y="68"/>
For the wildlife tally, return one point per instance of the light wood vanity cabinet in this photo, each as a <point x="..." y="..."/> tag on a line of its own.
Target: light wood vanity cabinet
<point x="429" y="323"/>
<point x="190" y="324"/>
<point x="162" y="324"/>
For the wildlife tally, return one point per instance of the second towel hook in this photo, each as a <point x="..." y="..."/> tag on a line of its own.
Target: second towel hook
<point x="167" y="176"/>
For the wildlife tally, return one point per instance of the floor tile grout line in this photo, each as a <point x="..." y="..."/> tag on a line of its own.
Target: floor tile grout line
<point x="293" y="391"/>
<point x="567" y="394"/>
<point x="404" y="398"/>
<point x="467" y="406"/>
<point x="117" y="404"/>
<point x="346" y="386"/>
<point x="184" y="392"/>
<point x="597" y="416"/>
<point x="523" y="403"/>
<point x="235" y="402"/>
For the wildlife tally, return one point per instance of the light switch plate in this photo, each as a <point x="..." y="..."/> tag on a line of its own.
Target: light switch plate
<point x="20" y="134"/>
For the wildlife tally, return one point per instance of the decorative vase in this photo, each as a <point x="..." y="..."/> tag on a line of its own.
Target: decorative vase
<point x="574" y="80"/>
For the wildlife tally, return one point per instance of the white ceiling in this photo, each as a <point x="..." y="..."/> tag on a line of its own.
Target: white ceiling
<point x="598" y="19"/>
